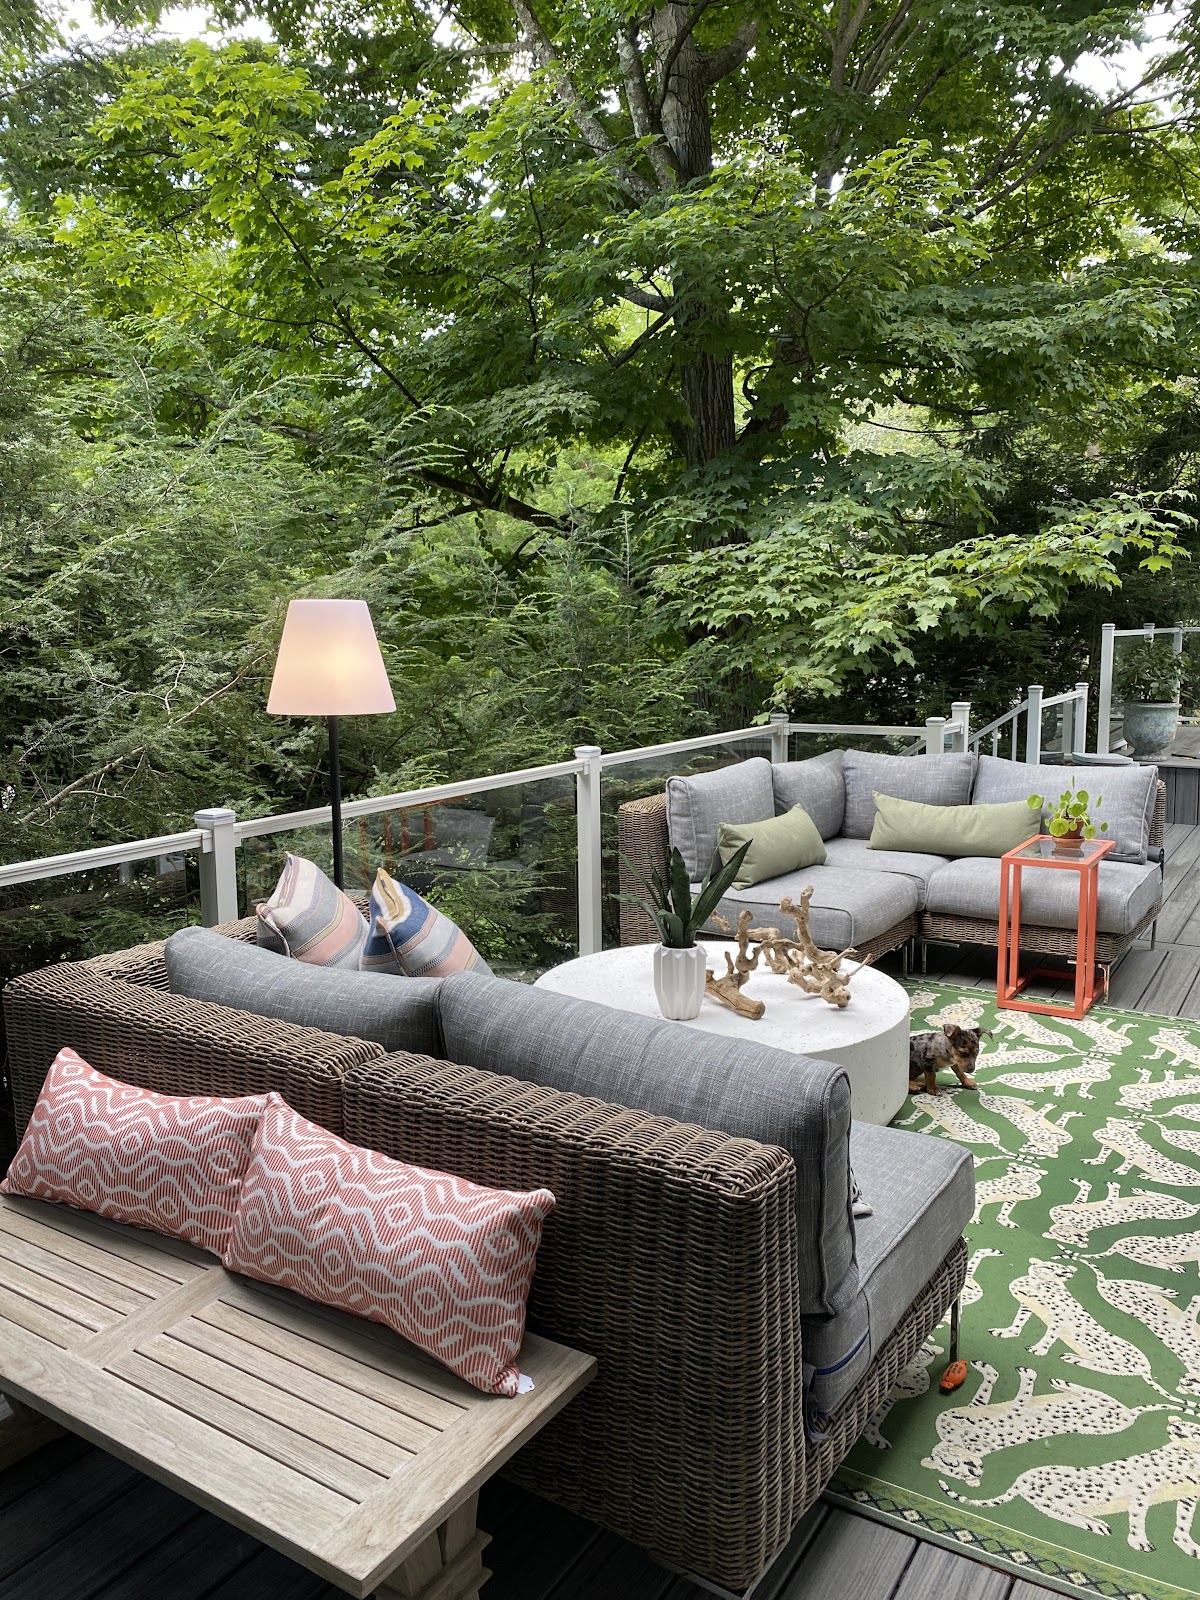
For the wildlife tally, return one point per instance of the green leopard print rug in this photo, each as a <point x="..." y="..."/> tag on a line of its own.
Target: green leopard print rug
<point x="1072" y="1452"/>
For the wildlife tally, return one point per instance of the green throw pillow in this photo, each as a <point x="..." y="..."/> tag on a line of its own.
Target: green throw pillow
<point x="985" y="830"/>
<point x="778" y="845"/>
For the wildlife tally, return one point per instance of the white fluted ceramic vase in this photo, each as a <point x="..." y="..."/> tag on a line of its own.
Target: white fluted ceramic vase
<point x="679" y="981"/>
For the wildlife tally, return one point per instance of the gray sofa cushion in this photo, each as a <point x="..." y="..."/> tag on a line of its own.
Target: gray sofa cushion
<point x="847" y="906"/>
<point x="922" y="1194"/>
<point x="817" y="785"/>
<point x="934" y="780"/>
<point x="752" y="1091"/>
<point x="1125" y="894"/>
<point x="697" y="806"/>
<point x="398" y="1013"/>
<point x="857" y="854"/>
<point x="1129" y="795"/>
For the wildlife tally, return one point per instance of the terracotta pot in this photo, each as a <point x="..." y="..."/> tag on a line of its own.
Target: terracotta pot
<point x="1071" y="842"/>
<point x="679" y="981"/>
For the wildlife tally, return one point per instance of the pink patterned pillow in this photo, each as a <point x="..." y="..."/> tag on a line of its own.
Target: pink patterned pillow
<point x="444" y="1262"/>
<point x="169" y="1163"/>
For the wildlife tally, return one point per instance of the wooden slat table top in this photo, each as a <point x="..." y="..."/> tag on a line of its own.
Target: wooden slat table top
<point x="325" y="1436"/>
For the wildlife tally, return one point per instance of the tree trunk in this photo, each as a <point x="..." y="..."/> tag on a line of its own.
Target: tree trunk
<point x="706" y="379"/>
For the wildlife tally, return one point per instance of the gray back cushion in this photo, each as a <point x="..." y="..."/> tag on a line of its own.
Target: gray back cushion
<point x="1129" y="794"/>
<point x="934" y="780"/>
<point x="398" y="1013"/>
<point x="697" y="806"/>
<point x="745" y="1089"/>
<point x="817" y="785"/>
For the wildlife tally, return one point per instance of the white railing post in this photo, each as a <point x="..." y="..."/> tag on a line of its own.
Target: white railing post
<point x="960" y="714"/>
<point x="1179" y="638"/>
<point x="1033" y="727"/>
<point x="935" y="736"/>
<point x="779" y="737"/>
<point x="1081" y="714"/>
<point x="218" y="867"/>
<point x="587" y="823"/>
<point x="1108" y="645"/>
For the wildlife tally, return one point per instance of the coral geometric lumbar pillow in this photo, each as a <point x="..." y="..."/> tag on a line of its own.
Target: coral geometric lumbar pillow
<point x="174" y="1164"/>
<point x="309" y="918"/>
<point x="445" y="1262"/>
<point x="406" y="934"/>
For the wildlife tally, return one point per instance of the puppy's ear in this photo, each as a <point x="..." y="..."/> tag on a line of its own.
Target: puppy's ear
<point x="950" y="1029"/>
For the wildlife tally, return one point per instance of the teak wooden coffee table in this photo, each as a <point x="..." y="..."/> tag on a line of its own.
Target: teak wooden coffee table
<point x="1040" y="852"/>
<point x="325" y="1436"/>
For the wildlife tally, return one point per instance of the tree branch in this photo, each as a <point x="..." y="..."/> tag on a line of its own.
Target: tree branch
<point x="647" y="123"/>
<point x="648" y="299"/>
<point x="584" y="118"/>
<point x="719" y="63"/>
<point x="488" y="499"/>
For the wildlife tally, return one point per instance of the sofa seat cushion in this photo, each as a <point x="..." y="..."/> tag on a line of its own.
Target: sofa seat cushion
<point x="398" y="1013"/>
<point x="922" y="1193"/>
<point x="697" y="806"/>
<point x="1127" y="796"/>
<point x="857" y="854"/>
<point x="1125" y="894"/>
<point x="847" y="906"/>
<point x="816" y="784"/>
<point x="753" y="1092"/>
<point x="934" y="780"/>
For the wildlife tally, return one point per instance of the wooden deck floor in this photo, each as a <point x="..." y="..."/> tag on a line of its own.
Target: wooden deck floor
<point x="75" y="1524"/>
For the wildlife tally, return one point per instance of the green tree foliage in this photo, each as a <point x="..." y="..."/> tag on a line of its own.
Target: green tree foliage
<point x="639" y="365"/>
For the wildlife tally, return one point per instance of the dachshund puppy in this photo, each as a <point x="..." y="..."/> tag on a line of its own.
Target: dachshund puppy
<point x="950" y="1046"/>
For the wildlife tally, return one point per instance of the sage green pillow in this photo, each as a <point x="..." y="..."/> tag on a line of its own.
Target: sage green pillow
<point x="983" y="830"/>
<point x="777" y="845"/>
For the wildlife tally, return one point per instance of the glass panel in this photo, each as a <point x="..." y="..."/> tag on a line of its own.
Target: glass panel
<point x="1060" y="850"/>
<point x="501" y="864"/>
<point x="88" y="914"/>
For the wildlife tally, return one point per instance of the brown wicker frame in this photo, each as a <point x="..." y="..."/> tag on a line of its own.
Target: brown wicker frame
<point x="671" y="1254"/>
<point x="1040" y="940"/>
<point x="643" y="844"/>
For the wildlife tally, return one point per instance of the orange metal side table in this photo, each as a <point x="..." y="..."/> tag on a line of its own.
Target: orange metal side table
<point x="1043" y="851"/>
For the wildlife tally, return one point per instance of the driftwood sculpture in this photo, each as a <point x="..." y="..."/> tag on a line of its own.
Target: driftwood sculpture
<point x="800" y="960"/>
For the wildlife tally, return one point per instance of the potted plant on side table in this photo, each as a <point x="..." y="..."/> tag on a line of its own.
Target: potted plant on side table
<point x="679" y="962"/>
<point x="1146" y="681"/>
<point x="1070" y="821"/>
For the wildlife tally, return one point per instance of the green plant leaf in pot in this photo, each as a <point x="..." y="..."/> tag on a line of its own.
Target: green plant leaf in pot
<point x="670" y="906"/>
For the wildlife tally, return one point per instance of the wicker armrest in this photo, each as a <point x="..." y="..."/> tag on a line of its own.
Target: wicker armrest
<point x="169" y="1043"/>
<point x="671" y="1256"/>
<point x="643" y="845"/>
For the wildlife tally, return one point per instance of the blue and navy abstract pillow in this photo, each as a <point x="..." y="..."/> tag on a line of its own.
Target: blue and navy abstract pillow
<point x="408" y="935"/>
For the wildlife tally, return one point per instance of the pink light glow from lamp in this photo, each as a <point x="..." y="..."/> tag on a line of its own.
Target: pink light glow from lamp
<point x="329" y="665"/>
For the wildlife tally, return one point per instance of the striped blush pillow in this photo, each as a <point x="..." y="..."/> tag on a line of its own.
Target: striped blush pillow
<point x="406" y="934"/>
<point x="446" y="1263"/>
<point x="308" y="917"/>
<point x="173" y="1164"/>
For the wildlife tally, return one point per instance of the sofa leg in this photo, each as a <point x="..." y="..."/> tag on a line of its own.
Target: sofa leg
<point x="956" y="1369"/>
<point x="1154" y="933"/>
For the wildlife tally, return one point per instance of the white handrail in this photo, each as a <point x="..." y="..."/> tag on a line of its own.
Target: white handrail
<point x="108" y="855"/>
<point x="373" y="806"/>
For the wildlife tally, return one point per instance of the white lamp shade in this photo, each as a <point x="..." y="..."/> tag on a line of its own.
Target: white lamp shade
<point x="329" y="663"/>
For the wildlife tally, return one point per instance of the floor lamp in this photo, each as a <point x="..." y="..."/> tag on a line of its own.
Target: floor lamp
<point x="329" y="665"/>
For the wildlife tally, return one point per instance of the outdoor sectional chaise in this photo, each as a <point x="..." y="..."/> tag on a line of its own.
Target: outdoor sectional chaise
<point x="878" y="900"/>
<point x="745" y="1324"/>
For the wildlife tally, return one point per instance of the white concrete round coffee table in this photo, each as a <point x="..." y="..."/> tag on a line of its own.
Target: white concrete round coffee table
<point x="869" y="1037"/>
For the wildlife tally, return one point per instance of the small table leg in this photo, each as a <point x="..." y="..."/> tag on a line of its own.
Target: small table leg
<point x="447" y="1566"/>
<point x="22" y="1431"/>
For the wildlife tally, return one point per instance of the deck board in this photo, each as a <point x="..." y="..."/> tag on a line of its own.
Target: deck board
<point x="853" y="1559"/>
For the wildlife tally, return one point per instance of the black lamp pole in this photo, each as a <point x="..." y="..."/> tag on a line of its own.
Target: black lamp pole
<point x="335" y="799"/>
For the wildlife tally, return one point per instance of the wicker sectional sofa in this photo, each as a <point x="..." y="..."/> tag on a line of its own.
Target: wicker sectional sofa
<point x="879" y="900"/>
<point x="710" y="1272"/>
